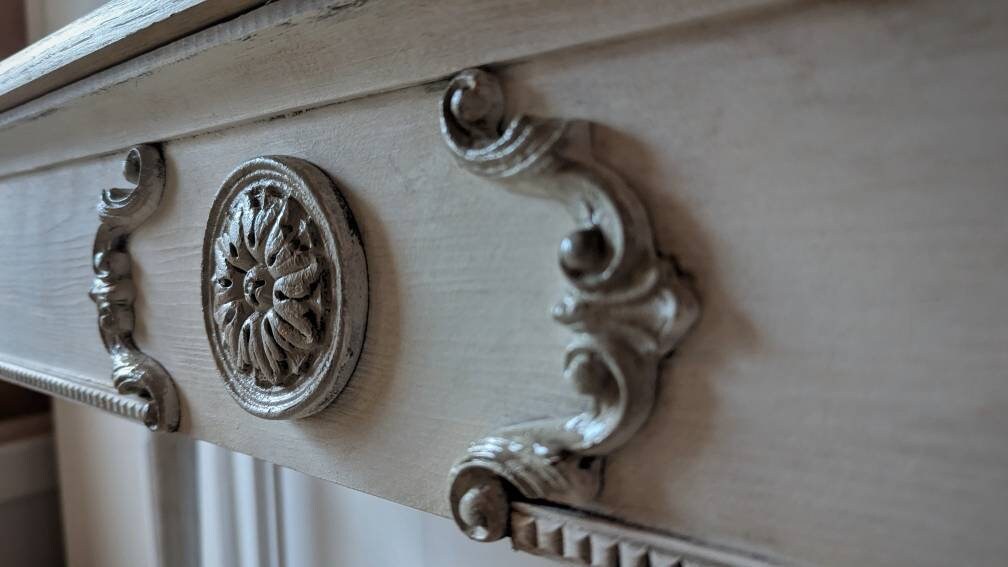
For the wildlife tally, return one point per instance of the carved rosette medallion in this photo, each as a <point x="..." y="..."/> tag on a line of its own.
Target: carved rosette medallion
<point x="285" y="294"/>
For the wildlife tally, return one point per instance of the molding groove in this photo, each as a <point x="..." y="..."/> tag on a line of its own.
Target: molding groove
<point x="121" y="212"/>
<point x="626" y="305"/>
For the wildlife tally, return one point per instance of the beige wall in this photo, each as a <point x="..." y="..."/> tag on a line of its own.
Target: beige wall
<point x="12" y="27"/>
<point x="45" y="16"/>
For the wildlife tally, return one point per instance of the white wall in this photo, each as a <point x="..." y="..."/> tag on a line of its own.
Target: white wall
<point x="107" y="511"/>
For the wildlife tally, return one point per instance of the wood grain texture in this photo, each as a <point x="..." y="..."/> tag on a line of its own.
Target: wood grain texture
<point x="115" y="32"/>
<point x="331" y="50"/>
<point x="832" y="174"/>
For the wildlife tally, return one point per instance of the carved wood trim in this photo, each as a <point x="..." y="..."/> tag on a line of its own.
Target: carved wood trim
<point x="581" y="539"/>
<point x="141" y="389"/>
<point x="122" y="211"/>
<point x="627" y="306"/>
<point x="77" y="390"/>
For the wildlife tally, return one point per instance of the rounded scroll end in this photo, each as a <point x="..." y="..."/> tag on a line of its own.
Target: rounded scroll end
<point x="131" y="165"/>
<point x="128" y="207"/>
<point x="475" y="130"/>
<point x="146" y="378"/>
<point x="589" y="375"/>
<point x="472" y="110"/>
<point x="480" y="503"/>
<point x="163" y="415"/>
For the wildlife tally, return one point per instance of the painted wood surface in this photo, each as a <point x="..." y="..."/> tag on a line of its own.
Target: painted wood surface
<point x="833" y="176"/>
<point x="296" y="54"/>
<point x="115" y="32"/>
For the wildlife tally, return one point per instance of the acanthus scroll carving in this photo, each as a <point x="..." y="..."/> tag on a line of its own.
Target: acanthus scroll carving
<point x="627" y="306"/>
<point x="121" y="212"/>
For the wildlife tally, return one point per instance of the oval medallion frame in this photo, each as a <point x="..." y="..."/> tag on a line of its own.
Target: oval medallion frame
<point x="286" y="337"/>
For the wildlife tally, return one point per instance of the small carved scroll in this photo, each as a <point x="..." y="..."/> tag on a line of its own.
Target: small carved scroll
<point x="285" y="294"/>
<point x="627" y="306"/>
<point x="121" y="212"/>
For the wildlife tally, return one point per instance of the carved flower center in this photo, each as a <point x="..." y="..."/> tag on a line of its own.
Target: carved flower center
<point x="269" y="284"/>
<point x="258" y="288"/>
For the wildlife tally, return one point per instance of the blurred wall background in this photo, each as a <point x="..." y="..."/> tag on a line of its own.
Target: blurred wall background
<point x="42" y="17"/>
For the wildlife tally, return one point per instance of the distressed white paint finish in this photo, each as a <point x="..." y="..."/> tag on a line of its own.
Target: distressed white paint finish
<point x="113" y="32"/>
<point x="332" y="50"/>
<point x="833" y="175"/>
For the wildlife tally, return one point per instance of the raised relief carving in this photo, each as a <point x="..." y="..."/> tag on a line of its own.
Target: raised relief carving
<point x="284" y="287"/>
<point x="267" y="298"/>
<point x="627" y="306"/>
<point x="581" y="539"/>
<point x="133" y="372"/>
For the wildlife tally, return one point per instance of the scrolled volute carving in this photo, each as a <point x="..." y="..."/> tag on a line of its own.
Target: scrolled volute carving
<point x="627" y="306"/>
<point x="121" y="211"/>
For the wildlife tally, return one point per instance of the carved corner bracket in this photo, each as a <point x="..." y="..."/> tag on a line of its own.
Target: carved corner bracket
<point x="627" y="306"/>
<point x="121" y="212"/>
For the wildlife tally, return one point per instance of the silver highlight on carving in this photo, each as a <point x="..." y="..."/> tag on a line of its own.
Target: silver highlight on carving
<point x="284" y="287"/>
<point x="121" y="212"/>
<point x="627" y="306"/>
<point x="267" y="286"/>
